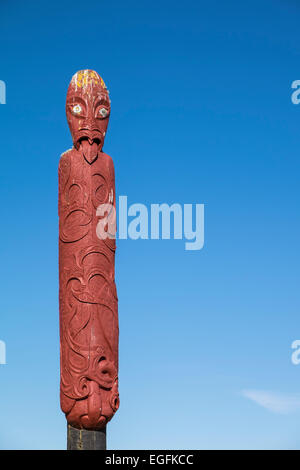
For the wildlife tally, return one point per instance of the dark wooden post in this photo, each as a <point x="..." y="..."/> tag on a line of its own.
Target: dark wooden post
<point x="83" y="439"/>
<point x="88" y="301"/>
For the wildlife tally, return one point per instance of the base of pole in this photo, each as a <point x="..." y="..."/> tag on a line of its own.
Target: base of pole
<point x="83" y="439"/>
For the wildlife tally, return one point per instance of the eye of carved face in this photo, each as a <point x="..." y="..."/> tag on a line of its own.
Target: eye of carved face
<point x="103" y="112"/>
<point x="77" y="109"/>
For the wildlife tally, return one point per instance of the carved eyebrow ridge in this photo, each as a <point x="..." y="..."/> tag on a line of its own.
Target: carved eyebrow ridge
<point x="76" y="99"/>
<point x="102" y="100"/>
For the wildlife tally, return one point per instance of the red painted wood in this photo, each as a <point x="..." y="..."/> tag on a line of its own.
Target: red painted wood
<point x="87" y="292"/>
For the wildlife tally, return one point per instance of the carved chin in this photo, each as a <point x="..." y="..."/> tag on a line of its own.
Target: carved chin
<point x="89" y="148"/>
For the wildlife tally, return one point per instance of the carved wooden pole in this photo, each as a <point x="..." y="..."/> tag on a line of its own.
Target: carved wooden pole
<point x="87" y="292"/>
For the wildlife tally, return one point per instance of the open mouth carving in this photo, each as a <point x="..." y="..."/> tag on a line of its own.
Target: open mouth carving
<point x="89" y="148"/>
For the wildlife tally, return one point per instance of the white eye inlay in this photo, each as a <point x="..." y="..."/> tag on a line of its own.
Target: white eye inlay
<point x="103" y="112"/>
<point x="77" y="109"/>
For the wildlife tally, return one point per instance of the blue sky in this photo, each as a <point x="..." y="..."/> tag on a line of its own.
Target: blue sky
<point x="201" y="113"/>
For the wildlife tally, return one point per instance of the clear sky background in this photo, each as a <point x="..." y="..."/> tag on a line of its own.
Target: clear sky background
<point x="201" y="113"/>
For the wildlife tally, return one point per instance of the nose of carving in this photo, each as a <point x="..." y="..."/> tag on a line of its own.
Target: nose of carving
<point x="90" y="122"/>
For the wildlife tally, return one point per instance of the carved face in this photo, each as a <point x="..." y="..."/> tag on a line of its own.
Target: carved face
<point x="88" y="109"/>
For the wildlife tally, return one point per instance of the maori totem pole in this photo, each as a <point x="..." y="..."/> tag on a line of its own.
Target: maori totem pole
<point x="88" y="301"/>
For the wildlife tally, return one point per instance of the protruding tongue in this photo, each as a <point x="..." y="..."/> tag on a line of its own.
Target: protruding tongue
<point x="89" y="149"/>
